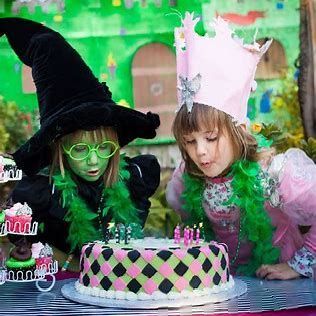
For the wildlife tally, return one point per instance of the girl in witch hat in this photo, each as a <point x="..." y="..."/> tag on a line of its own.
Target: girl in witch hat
<point x="247" y="199"/>
<point x="87" y="183"/>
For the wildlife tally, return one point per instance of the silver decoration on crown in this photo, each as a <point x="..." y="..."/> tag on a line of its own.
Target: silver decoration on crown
<point x="188" y="89"/>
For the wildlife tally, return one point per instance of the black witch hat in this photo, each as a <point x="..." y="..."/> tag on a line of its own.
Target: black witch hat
<point x="70" y="97"/>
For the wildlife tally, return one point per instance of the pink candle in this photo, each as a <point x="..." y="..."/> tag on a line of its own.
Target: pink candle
<point x="176" y="234"/>
<point x="191" y="235"/>
<point x="179" y="235"/>
<point x="186" y="236"/>
<point x="197" y="236"/>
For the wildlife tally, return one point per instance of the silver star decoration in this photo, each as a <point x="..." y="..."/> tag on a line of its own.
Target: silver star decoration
<point x="46" y="251"/>
<point x="24" y="210"/>
<point x="188" y="89"/>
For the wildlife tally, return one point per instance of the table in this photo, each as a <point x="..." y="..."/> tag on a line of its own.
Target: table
<point x="25" y="299"/>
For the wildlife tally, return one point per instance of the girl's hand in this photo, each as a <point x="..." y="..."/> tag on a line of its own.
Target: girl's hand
<point x="280" y="271"/>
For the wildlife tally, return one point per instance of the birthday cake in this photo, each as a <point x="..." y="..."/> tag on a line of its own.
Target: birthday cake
<point x="153" y="269"/>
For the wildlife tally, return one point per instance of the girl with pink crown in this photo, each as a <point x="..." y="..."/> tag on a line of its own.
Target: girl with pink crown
<point x="249" y="199"/>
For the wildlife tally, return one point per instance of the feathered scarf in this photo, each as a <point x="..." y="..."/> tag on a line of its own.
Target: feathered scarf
<point x="82" y="219"/>
<point x="248" y="195"/>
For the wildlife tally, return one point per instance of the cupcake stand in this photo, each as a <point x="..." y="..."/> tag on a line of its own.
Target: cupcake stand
<point x="42" y="273"/>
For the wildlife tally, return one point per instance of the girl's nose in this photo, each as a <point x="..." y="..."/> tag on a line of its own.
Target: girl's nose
<point x="201" y="148"/>
<point x="92" y="158"/>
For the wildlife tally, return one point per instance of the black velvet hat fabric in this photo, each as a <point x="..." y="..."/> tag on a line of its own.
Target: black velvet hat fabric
<point x="69" y="96"/>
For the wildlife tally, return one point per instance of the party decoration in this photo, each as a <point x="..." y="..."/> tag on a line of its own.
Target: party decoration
<point x="31" y="4"/>
<point x="265" y="102"/>
<point x="243" y="19"/>
<point x="116" y="3"/>
<point x="58" y="18"/>
<point x="111" y="64"/>
<point x="280" y="5"/>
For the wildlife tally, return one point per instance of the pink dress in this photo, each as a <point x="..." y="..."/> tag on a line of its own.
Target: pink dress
<point x="289" y="181"/>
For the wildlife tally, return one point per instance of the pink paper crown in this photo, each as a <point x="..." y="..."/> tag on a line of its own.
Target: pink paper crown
<point x="216" y="71"/>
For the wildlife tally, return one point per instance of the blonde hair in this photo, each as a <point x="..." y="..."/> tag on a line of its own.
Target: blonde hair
<point x="204" y="116"/>
<point x="111" y="174"/>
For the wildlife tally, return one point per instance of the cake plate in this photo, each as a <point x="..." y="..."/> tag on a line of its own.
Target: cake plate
<point x="52" y="269"/>
<point x="31" y="276"/>
<point x="69" y="291"/>
<point x="39" y="276"/>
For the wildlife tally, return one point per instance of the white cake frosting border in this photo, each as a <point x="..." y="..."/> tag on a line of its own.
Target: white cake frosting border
<point x="156" y="296"/>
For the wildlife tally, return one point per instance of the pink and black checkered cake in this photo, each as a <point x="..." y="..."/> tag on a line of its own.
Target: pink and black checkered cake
<point x="153" y="269"/>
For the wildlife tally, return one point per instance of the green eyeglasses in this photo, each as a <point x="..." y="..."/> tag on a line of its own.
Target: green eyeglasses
<point x="81" y="151"/>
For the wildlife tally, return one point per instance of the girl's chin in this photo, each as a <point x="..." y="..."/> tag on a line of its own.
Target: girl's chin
<point x="212" y="173"/>
<point x="90" y="178"/>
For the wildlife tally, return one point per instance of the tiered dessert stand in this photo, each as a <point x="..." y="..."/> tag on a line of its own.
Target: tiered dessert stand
<point x="41" y="273"/>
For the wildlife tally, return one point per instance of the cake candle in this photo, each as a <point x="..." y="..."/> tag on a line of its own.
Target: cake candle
<point x="117" y="234"/>
<point x="197" y="236"/>
<point x="176" y="234"/>
<point x="128" y="231"/>
<point x="190" y="235"/>
<point x="186" y="236"/>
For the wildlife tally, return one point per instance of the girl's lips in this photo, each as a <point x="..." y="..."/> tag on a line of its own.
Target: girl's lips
<point x="205" y="164"/>
<point x="93" y="172"/>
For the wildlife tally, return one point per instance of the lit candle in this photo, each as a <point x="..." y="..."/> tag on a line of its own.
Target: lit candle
<point x="197" y="236"/>
<point x="129" y="233"/>
<point x="186" y="236"/>
<point x="117" y="233"/>
<point x="177" y="234"/>
<point x="191" y="235"/>
<point x="126" y="233"/>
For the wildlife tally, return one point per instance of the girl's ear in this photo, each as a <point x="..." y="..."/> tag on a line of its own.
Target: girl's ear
<point x="243" y="126"/>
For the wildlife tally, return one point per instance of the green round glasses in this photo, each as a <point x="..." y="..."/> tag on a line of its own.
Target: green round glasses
<point x="81" y="151"/>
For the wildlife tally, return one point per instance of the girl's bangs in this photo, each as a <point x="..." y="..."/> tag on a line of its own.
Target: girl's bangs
<point x="202" y="117"/>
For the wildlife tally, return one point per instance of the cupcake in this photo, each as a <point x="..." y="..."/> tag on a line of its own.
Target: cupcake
<point x="43" y="256"/>
<point x="18" y="218"/>
<point x="21" y="265"/>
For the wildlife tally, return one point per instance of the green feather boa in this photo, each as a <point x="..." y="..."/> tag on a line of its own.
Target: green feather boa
<point x="248" y="196"/>
<point x="81" y="218"/>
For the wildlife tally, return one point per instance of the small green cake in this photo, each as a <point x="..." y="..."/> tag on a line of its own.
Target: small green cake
<point x="21" y="270"/>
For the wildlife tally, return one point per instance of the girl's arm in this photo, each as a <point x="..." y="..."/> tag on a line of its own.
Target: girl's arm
<point x="143" y="182"/>
<point x="297" y="182"/>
